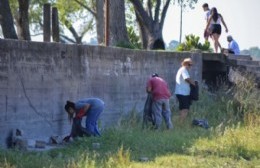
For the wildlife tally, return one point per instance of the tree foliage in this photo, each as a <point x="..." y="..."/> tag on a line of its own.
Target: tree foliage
<point x="254" y="52"/>
<point x="75" y="18"/>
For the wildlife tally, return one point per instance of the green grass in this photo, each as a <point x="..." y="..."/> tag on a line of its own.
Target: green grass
<point x="231" y="141"/>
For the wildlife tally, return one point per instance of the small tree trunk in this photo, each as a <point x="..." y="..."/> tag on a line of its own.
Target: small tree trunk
<point x="47" y="22"/>
<point x="6" y="20"/>
<point x="155" y="38"/>
<point x="181" y="22"/>
<point x="118" y="31"/>
<point x="100" y="21"/>
<point x="55" y="25"/>
<point x="22" y="21"/>
<point x="143" y="32"/>
<point x="107" y="20"/>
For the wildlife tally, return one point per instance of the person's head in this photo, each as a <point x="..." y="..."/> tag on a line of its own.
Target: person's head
<point x="229" y="38"/>
<point x="213" y="10"/>
<point x="155" y="75"/>
<point x="187" y="62"/>
<point x="214" y="13"/>
<point x="205" y="7"/>
<point x="70" y="109"/>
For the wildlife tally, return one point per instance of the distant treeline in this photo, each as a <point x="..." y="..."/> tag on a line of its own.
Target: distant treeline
<point x="253" y="51"/>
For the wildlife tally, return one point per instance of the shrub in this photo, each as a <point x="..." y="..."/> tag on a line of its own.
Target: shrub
<point x="192" y="42"/>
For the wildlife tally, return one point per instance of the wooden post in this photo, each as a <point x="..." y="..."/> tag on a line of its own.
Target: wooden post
<point x="47" y="22"/>
<point x="107" y="23"/>
<point x="55" y="25"/>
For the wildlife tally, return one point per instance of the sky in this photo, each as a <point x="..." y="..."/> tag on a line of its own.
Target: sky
<point x="241" y="17"/>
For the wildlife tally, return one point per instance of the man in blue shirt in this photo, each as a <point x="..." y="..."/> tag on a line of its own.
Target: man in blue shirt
<point x="233" y="47"/>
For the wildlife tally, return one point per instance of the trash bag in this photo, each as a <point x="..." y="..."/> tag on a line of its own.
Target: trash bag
<point x="201" y="122"/>
<point x="77" y="129"/>
<point x="194" y="91"/>
<point x="148" y="115"/>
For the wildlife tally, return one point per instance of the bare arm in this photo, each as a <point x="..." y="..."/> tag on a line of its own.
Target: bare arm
<point x="222" y="20"/>
<point x="190" y="81"/>
<point x="149" y="89"/>
<point x="209" y="20"/>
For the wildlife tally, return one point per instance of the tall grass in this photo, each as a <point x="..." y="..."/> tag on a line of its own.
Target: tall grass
<point x="231" y="141"/>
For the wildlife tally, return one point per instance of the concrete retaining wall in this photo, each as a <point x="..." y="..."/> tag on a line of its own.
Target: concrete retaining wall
<point x="37" y="78"/>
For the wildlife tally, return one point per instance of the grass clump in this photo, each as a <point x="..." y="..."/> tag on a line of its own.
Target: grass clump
<point x="237" y="143"/>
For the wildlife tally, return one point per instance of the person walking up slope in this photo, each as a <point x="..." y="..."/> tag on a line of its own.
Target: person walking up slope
<point x="214" y="22"/>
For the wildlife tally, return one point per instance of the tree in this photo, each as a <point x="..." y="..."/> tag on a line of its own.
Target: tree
<point x="27" y="17"/>
<point x="183" y="5"/>
<point x="95" y="8"/>
<point x="151" y="23"/>
<point x="69" y="12"/>
<point x="75" y="18"/>
<point x="117" y="25"/>
<point x="22" y="20"/>
<point x="173" y="45"/>
<point x="254" y="52"/>
<point x="6" y="20"/>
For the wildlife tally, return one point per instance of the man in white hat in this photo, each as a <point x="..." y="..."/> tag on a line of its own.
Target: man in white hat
<point x="182" y="88"/>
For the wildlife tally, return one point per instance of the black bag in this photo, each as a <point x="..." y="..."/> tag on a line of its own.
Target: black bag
<point x="148" y="113"/>
<point x="77" y="130"/>
<point x="194" y="91"/>
<point x="201" y="122"/>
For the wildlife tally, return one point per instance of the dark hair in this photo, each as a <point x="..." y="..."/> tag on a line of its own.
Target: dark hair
<point x="205" y="5"/>
<point x="215" y="14"/>
<point x="155" y="75"/>
<point x="68" y="105"/>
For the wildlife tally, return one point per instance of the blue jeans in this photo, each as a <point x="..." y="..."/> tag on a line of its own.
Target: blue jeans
<point x="162" y="108"/>
<point x="92" y="117"/>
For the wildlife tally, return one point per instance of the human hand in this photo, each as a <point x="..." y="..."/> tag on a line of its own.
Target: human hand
<point x="226" y="30"/>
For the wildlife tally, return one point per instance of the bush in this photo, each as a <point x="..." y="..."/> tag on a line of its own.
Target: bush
<point x="192" y="42"/>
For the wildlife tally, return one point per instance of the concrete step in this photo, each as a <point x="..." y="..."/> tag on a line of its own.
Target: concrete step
<point x="253" y="68"/>
<point x="239" y="57"/>
<point x="248" y="62"/>
<point x="257" y="74"/>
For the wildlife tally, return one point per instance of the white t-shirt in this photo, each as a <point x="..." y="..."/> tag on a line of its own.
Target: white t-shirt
<point x="207" y="15"/>
<point x="216" y="22"/>
<point x="182" y="87"/>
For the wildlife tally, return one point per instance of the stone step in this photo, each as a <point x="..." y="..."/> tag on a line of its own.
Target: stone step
<point x="253" y="68"/>
<point x="257" y="74"/>
<point x="239" y="57"/>
<point x="248" y="62"/>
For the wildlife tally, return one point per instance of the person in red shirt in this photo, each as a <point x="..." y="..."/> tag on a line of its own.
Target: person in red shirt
<point x="161" y="97"/>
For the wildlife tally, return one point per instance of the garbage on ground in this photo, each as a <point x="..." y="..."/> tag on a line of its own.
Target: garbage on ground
<point x="200" y="122"/>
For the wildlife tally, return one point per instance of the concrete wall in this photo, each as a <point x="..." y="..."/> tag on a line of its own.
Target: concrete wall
<point x="37" y="78"/>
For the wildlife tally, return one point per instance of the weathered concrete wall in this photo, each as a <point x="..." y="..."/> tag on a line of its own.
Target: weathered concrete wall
<point x="37" y="78"/>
